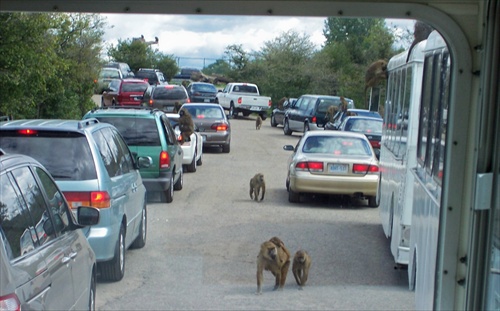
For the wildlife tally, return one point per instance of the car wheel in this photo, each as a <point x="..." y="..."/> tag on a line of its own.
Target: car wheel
<point x="169" y="193"/>
<point x="200" y="160"/>
<point x="180" y="182"/>
<point x="232" y="112"/>
<point x="246" y="114"/>
<point x="374" y="201"/>
<point x="114" y="269"/>
<point x="226" y="148"/>
<point x="191" y="167"/>
<point x="140" y="241"/>
<point x="287" y="183"/>
<point x="92" y="291"/>
<point x="293" y="197"/>
<point x="273" y="121"/>
<point x="286" y="128"/>
<point x="263" y="116"/>
<point x="306" y="127"/>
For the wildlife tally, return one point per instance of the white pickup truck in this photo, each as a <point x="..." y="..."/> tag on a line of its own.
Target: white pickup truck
<point x="244" y="98"/>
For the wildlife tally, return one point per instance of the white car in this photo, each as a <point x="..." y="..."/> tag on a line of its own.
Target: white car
<point x="193" y="149"/>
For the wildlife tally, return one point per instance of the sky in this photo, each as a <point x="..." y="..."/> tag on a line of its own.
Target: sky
<point x="197" y="41"/>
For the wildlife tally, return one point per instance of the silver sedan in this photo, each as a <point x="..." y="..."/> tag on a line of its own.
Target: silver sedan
<point x="333" y="162"/>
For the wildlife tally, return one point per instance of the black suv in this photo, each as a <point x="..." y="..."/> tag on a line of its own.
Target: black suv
<point x="152" y="76"/>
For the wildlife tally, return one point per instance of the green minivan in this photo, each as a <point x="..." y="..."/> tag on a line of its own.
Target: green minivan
<point x="148" y="133"/>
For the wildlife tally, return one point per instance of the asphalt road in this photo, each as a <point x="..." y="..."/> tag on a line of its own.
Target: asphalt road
<point x="201" y="248"/>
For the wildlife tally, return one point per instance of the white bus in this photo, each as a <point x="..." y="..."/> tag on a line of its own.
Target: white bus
<point x="398" y="148"/>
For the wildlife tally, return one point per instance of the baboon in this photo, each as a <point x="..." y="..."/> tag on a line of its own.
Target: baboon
<point x="272" y="258"/>
<point x="421" y="31"/>
<point x="281" y="102"/>
<point x="257" y="184"/>
<point x="300" y="267"/>
<point x="186" y="125"/>
<point x="258" y="122"/>
<point x="375" y="73"/>
<point x="330" y="112"/>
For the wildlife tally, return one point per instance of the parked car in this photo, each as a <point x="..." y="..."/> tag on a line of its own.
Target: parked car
<point x="335" y="163"/>
<point x="93" y="166"/>
<point x="123" y="67"/>
<point x="192" y="148"/>
<point x="38" y="231"/>
<point x="168" y="98"/>
<point x="148" y="133"/>
<point x="152" y="76"/>
<point x="371" y="127"/>
<point x="309" y="111"/>
<point x="201" y="92"/>
<point x="126" y="92"/>
<point x="278" y="113"/>
<point x="342" y="114"/>
<point x="106" y="75"/>
<point x="212" y="123"/>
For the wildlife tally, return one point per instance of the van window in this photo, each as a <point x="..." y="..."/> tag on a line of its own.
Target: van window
<point x="107" y="155"/>
<point x="135" y="131"/>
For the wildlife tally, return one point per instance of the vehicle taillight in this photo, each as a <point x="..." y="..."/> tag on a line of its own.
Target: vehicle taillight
<point x="27" y="132"/>
<point x="375" y="144"/>
<point x="10" y="302"/>
<point x="219" y="127"/>
<point x="188" y="100"/>
<point x="364" y="168"/>
<point x="309" y="166"/>
<point x="239" y="100"/>
<point x="97" y="199"/>
<point x="151" y="102"/>
<point x="164" y="160"/>
<point x="313" y="120"/>
<point x="270" y="103"/>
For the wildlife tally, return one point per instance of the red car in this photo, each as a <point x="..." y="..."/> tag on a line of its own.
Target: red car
<point x="126" y="92"/>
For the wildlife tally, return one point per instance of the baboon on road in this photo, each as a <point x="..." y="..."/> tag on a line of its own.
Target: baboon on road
<point x="300" y="267"/>
<point x="257" y="184"/>
<point x="272" y="258"/>
<point x="258" y="123"/>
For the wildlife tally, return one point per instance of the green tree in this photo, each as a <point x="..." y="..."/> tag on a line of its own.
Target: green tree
<point x="135" y="53"/>
<point x="166" y="64"/>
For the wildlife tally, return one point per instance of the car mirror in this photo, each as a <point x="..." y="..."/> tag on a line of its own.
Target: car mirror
<point x="87" y="216"/>
<point x="288" y="148"/>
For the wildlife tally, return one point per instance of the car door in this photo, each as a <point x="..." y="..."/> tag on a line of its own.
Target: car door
<point x="55" y="249"/>
<point x="174" y="148"/>
<point x="291" y="113"/>
<point x="30" y="278"/>
<point x="298" y="115"/>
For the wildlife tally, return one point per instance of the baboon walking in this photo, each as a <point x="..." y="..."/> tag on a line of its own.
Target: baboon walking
<point x="300" y="267"/>
<point x="258" y="122"/>
<point x="257" y="184"/>
<point x="274" y="258"/>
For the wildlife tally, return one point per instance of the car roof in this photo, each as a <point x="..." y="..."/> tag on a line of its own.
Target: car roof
<point x="11" y="159"/>
<point x="132" y="80"/>
<point x="58" y="125"/>
<point x="364" y="118"/>
<point x="124" y="111"/>
<point x="325" y="96"/>
<point x="334" y="133"/>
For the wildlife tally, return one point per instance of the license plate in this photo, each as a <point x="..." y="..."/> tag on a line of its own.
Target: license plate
<point x="255" y="108"/>
<point x="168" y="108"/>
<point x="206" y="100"/>
<point x="337" y="168"/>
<point x="204" y="138"/>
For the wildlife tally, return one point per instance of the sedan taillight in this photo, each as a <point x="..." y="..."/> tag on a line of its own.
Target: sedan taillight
<point x="10" y="302"/>
<point x="364" y="168"/>
<point x="309" y="166"/>
<point x="219" y="127"/>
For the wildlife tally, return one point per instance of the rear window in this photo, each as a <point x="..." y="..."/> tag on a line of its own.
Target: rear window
<point x="245" y="89"/>
<point x="336" y="145"/>
<point x="135" y="131"/>
<point x="325" y="103"/>
<point x="204" y="88"/>
<point x="169" y="93"/>
<point x="134" y="87"/>
<point x="114" y="74"/>
<point x="66" y="155"/>
<point x="204" y="112"/>
<point x="364" y="126"/>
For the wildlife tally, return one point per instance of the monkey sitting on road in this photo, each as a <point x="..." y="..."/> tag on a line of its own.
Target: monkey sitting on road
<point x="300" y="267"/>
<point x="257" y="184"/>
<point x="186" y="125"/>
<point x="272" y="258"/>
<point x="258" y="123"/>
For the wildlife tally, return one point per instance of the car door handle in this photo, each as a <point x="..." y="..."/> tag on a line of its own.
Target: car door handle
<point x="67" y="258"/>
<point x="134" y="187"/>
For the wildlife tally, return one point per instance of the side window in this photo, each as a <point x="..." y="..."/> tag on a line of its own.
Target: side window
<point x="107" y="155"/>
<point x="17" y="228"/>
<point x="57" y="204"/>
<point x="37" y="207"/>
<point x="124" y="155"/>
<point x="169" y="132"/>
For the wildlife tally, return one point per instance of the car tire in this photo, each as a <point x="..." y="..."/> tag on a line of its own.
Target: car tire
<point x="169" y="193"/>
<point x="232" y="112"/>
<point x="92" y="291"/>
<point x="246" y="113"/>
<point x="273" y="121"/>
<point x="263" y="116"/>
<point x="226" y="148"/>
<point x="114" y="270"/>
<point x="293" y="197"/>
<point x="286" y="128"/>
<point x="374" y="201"/>
<point x="140" y="241"/>
<point x="180" y="181"/>
<point x="200" y="160"/>
<point x="191" y="167"/>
